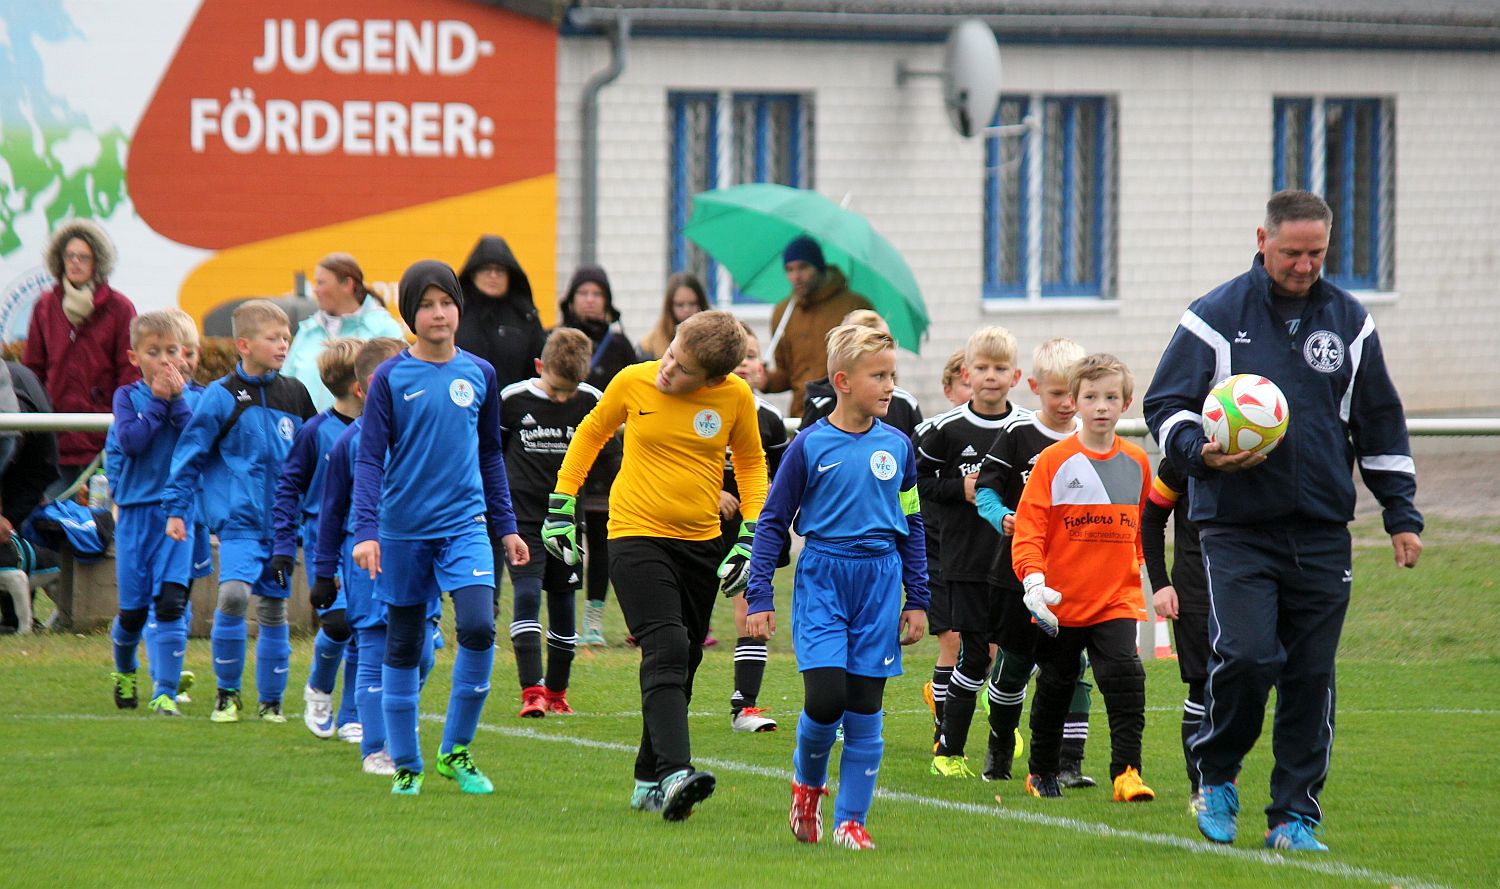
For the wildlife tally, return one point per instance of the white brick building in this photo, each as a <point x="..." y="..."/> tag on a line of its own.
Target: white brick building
<point x="1186" y="115"/>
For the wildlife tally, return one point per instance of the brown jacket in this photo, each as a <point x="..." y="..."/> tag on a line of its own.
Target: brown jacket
<point x="802" y="353"/>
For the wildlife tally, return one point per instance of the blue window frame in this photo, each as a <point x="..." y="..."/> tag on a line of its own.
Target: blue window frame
<point x="723" y="139"/>
<point x="1049" y="197"/>
<point x="1344" y="150"/>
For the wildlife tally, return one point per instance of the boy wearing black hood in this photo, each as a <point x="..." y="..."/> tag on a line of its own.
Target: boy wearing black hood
<point x="429" y="494"/>
<point x="499" y="321"/>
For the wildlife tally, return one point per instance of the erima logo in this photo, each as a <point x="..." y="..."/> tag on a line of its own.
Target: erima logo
<point x="1242" y="336"/>
<point x="1075" y="484"/>
<point x="417" y="394"/>
<point x="242" y="395"/>
<point x="528" y="420"/>
<point x="890" y="660"/>
<point x="969" y="451"/>
<point x="1348" y="576"/>
<point x="822" y="468"/>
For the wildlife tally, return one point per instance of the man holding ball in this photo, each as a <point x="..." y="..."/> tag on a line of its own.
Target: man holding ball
<point x="1274" y="526"/>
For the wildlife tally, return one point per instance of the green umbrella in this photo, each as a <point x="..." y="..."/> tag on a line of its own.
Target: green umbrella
<point x="746" y="227"/>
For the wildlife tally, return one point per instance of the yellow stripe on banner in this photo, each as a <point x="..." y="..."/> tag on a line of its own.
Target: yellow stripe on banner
<point x="911" y="503"/>
<point x="524" y="213"/>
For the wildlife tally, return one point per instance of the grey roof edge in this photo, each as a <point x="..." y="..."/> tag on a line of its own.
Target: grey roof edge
<point x="1182" y="23"/>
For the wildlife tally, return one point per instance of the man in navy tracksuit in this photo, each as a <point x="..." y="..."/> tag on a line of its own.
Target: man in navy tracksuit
<point x="1275" y="527"/>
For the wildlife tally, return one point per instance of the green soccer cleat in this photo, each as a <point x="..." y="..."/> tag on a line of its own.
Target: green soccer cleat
<point x="227" y="707"/>
<point x="164" y="705"/>
<point x="125" y="697"/>
<point x="458" y="765"/>
<point x="270" y="711"/>
<point x="646" y="797"/>
<point x="406" y="783"/>
<point x="185" y="681"/>
<point x="951" y="767"/>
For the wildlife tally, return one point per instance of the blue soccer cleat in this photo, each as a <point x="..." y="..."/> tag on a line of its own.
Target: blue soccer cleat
<point x="1221" y="806"/>
<point x="1297" y="835"/>
<point x="646" y="797"/>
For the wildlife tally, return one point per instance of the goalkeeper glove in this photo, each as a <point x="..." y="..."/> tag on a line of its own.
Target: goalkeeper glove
<point x="560" y="530"/>
<point x="734" y="571"/>
<point x="1038" y="597"/>
<point x="324" y="592"/>
<point x="282" y="567"/>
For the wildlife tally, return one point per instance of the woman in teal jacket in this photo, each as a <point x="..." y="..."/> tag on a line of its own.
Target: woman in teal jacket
<point x="346" y="307"/>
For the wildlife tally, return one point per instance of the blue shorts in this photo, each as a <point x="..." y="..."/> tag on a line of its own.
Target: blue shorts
<point x="357" y="592"/>
<point x="846" y="608"/>
<point x="147" y="557"/>
<point x="249" y="560"/>
<point x="416" y="571"/>
<point x="203" y="552"/>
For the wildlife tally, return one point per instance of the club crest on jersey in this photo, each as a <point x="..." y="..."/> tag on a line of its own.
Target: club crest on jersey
<point x="1324" y="351"/>
<point x="883" y="465"/>
<point x="707" y="423"/>
<point x="285" y="429"/>
<point x="462" y="392"/>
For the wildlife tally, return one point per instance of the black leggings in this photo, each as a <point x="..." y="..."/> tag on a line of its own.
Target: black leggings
<point x="830" y="691"/>
<point x="596" y="541"/>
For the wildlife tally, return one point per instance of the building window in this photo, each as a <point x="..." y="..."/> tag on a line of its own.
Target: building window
<point x="723" y="139"/>
<point x="1344" y="150"/>
<point x="1049" y="199"/>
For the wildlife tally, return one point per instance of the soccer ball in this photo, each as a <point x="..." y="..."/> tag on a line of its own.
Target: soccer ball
<point x="1246" y="412"/>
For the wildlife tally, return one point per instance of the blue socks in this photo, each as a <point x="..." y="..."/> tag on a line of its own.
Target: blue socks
<point x="168" y="645"/>
<point x="429" y="656"/>
<point x="368" y="694"/>
<point x="227" y="639"/>
<point x="125" y="644"/>
<point x="401" y="688"/>
<point x="859" y="766"/>
<point x="810" y="759"/>
<point x="471" y="685"/>
<point x="273" y="661"/>
<point x="348" y="708"/>
<point x="325" y="662"/>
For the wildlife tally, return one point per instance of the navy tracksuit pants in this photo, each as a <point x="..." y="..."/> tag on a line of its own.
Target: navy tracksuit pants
<point x="1277" y="598"/>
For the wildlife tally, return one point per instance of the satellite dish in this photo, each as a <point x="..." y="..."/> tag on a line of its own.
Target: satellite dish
<point x="971" y="77"/>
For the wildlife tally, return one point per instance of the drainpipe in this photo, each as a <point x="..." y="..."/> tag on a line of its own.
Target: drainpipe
<point x="588" y="193"/>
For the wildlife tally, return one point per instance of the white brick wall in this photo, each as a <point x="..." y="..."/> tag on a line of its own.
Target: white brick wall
<point x="1195" y="155"/>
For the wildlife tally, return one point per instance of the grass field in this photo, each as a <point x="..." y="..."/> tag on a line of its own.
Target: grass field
<point x="94" y="796"/>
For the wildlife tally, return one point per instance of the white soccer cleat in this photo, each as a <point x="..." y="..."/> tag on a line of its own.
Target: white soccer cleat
<point x="752" y="719"/>
<point x="379" y="763"/>
<point x="352" y="732"/>
<point x="317" y="715"/>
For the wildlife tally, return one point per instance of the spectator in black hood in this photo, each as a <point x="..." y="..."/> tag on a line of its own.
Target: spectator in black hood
<point x="589" y="305"/>
<point x="499" y="323"/>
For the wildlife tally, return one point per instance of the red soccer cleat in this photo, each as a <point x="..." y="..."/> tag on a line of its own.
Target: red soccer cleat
<point x="533" y="702"/>
<point x="557" y="702"/>
<point x="852" y="835"/>
<point x="806" y="817"/>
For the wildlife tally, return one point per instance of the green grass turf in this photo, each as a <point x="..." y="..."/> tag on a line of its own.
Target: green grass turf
<point x="95" y="796"/>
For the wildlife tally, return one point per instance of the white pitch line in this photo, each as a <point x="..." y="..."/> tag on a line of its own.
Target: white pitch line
<point x="1182" y="844"/>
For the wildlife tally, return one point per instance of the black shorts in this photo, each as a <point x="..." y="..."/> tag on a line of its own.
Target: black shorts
<point x="939" y="617"/>
<point x="1190" y="634"/>
<point x="974" y="607"/>
<point x="1018" y="632"/>
<point x="556" y="576"/>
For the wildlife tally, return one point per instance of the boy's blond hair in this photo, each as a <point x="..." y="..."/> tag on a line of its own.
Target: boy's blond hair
<point x="866" y="318"/>
<point x="953" y="368"/>
<point x="995" y="343"/>
<point x="567" y="353"/>
<point x="372" y="354"/>
<point x="1097" y="366"/>
<point x="255" y="315"/>
<point x="336" y="364"/>
<point x="848" y="343"/>
<point x="1052" y="359"/>
<point x="715" y="340"/>
<point x="163" y="323"/>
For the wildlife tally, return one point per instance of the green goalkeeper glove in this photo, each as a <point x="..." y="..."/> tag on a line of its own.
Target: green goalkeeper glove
<point x="734" y="571"/>
<point x="560" y="530"/>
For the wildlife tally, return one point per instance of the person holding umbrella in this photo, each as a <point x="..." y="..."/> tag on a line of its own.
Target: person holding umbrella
<point x="819" y="300"/>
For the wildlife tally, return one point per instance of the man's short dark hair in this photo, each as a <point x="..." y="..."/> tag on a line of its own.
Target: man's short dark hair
<point x="1294" y="205"/>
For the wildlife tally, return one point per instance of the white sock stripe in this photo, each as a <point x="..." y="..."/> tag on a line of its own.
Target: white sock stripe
<point x="965" y="682"/>
<point x="522" y="627"/>
<point x="1008" y="698"/>
<point x="554" y="639"/>
<point x="1191" y="709"/>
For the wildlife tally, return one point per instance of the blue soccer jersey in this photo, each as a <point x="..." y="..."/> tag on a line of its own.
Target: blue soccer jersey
<point x="843" y="488"/>
<point x="430" y="462"/>
<point x="138" y="448"/>
<point x="299" y="491"/>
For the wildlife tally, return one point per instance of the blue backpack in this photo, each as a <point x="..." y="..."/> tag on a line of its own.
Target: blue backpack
<point x="65" y="525"/>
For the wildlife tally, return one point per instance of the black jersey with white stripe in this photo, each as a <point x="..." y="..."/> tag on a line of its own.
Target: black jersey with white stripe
<point x="905" y="414"/>
<point x="536" y="431"/>
<point x="773" y="441"/>
<point x="951" y="446"/>
<point x="1005" y="468"/>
